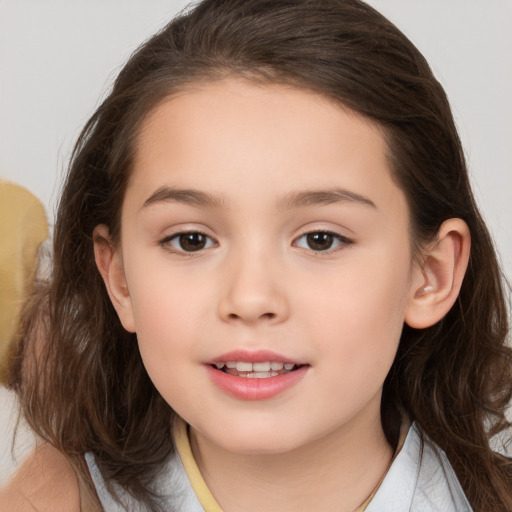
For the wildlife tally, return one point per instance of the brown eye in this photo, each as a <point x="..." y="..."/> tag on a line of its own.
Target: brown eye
<point x="192" y="241"/>
<point x="319" y="241"/>
<point x="189" y="242"/>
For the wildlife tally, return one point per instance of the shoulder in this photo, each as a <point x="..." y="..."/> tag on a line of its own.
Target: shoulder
<point x="45" y="481"/>
<point x="420" y="479"/>
<point x="438" y="486"/>
<point x="171" y="485"/>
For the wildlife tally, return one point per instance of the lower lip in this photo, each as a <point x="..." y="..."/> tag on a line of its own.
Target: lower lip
<point x="255" y="389"/>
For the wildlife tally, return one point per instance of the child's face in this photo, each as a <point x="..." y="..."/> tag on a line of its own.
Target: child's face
<point x="298" y="252"/>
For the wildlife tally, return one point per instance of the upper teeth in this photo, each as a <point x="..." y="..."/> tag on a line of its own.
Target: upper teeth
<point x="243" y="366"/>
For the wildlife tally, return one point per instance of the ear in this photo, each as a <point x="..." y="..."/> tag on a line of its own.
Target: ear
<point x="109" y="263"/>
<point x="436" y="282"/>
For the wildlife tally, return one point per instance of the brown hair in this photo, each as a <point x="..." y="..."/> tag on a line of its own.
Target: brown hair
<point x="91" y="392"/>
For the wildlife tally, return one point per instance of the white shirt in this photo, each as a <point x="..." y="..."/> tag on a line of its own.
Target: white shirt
<point x="420" y="479"/>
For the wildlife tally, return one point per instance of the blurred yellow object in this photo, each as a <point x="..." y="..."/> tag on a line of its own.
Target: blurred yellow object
<point x="23" y="228"/>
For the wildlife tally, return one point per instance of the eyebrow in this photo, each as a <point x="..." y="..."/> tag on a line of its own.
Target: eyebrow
<point x="322" y="197"/>
<point x="291" y="201"/>
<point x="186" y="196"/>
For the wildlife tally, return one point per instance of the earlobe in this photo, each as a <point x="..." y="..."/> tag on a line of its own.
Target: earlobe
<point x="437" y="281"/>
<point x="109" y="263"/>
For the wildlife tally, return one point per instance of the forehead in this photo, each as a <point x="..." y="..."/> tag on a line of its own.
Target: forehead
<point x="227" y="136"/>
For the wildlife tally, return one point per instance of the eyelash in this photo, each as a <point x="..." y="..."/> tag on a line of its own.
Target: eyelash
<point x="335" y="237"/>
<point x="167" y="242"/>
<point x="210" y="242"/>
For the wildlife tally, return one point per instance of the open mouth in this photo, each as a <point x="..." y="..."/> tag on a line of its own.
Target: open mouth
<point x="262" y="370"/>
<point x="260" y="375"/>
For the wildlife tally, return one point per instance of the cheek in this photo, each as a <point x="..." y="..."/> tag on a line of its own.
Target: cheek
<point x="164" y="296"/>
<point x="163" y="311"/>
<point x="358" y="319"/>
<point x="163" y="322"/>
<point x="167" y="347"/>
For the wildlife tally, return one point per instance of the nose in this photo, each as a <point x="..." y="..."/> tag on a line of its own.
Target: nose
<point x="253" y="292"/>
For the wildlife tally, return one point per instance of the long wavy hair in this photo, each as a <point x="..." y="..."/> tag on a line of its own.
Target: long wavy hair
<point x="87" y="389"/>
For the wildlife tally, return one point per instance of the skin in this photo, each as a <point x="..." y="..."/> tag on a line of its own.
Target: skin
<point x="258" y="285"/>
<point x="44" y="482"/>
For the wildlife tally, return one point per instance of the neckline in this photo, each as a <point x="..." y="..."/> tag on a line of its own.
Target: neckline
<point x="203" y="493"/>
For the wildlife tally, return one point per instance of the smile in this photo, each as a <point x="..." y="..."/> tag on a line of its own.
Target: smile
<point x="259" y="375"/>
<point x="260" y="370"/>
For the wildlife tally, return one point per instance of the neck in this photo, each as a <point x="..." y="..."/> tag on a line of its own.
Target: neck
<point x="336" y="472"/>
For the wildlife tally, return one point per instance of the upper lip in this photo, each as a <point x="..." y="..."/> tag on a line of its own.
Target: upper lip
<point x="256" y="356"/>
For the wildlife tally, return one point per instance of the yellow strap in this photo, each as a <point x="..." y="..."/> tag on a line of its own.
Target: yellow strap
<point x="205" y="497"/>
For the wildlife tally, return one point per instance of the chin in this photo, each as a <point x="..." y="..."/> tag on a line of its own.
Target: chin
<point x="264" y="447"/>
<point x="259" y="441"/>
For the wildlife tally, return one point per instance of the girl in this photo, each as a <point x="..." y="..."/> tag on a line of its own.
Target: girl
<point x="264" y="295"/>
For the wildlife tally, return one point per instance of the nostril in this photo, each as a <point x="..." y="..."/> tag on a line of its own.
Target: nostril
<point x="266" y="316"/>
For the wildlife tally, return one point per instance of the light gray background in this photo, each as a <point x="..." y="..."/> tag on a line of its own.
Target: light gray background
<point x="57" y="58"/>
